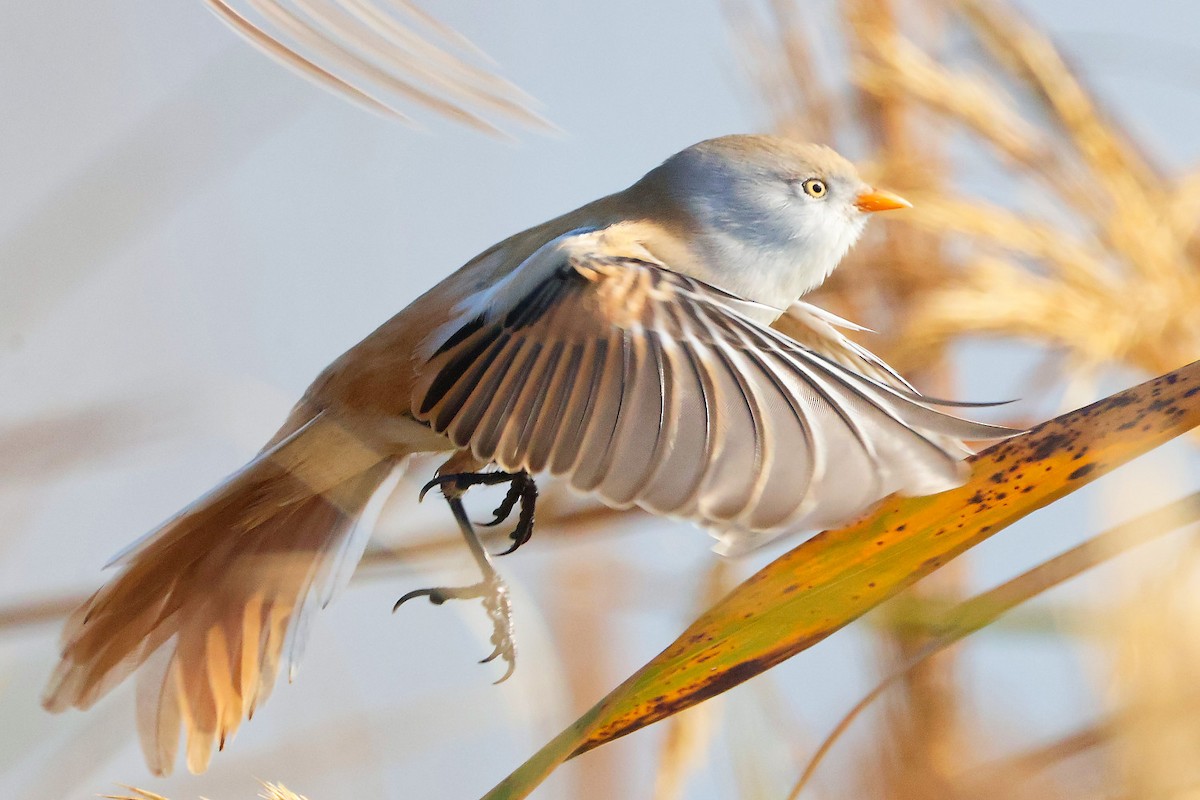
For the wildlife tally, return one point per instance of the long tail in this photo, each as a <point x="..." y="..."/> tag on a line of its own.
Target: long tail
<point x="208" y="604"/>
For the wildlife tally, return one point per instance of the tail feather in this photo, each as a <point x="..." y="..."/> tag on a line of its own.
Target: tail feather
<point x="213" y="602"/>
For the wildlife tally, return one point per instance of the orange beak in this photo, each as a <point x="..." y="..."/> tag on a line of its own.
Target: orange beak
<point x="880" y="200"/>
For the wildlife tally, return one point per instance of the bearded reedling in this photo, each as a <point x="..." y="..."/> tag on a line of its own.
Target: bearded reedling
<point x="625" y="346"/>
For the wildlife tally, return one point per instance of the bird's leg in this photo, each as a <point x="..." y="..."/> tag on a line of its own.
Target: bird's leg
<point x="491" y="588"/>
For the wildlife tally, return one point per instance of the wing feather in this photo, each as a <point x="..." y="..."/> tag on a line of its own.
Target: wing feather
<point x="651" y="388"/>
<point x="580" y="407"/>
<point x="549" y="420"/>
<point x="518" y="433"/>
<point x="729" y="488"/>
<point x="674" y="487"/>
<point x="462" y="412"/>
<point x="595" y="449"/>
<point x="635" y="443"/>
<point x="517" y="358"/>
<point x="899" y="451"/>
<point x="785" y="490"/>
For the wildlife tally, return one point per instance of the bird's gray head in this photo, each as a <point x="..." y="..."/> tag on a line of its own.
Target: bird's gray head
<point x="772" y="216"/>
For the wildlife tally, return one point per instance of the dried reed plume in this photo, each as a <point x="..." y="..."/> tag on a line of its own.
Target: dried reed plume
<point x="1104" y="273"/>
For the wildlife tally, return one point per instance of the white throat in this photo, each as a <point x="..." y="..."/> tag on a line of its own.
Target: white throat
<point x="760" y="259"/>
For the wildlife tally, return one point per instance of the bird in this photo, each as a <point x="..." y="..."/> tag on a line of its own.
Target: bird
<point x="625" y="347"/>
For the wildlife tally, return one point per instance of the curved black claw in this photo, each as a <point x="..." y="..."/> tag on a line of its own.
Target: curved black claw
<point x="527" y="492"/>
<point x="439" y="481"/>
<point x="441" y="594"/>
<point x="504" y="510"/>
<point x="432" y="594"/>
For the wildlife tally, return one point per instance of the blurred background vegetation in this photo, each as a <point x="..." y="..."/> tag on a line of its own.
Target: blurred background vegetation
<point x="189" y="234"/>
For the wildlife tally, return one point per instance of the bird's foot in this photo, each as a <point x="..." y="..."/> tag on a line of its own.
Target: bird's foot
<point x="491" y="588"/>
<point x="496" y="601"/>
<point x="521" y="489"/>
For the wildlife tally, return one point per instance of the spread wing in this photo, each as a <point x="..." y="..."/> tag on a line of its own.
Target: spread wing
<point x="818" y="330"/>
<point x="386" y="56"/>
<point x="650" y="388"/>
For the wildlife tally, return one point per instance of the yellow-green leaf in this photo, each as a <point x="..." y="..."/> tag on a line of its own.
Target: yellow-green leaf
<point x="837" y="576"/>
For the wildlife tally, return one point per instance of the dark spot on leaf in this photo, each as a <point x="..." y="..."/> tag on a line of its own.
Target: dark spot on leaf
<point x="1121" y="400"/>
<point x="1049" y="445"/>
<point x="1083" y="471"/>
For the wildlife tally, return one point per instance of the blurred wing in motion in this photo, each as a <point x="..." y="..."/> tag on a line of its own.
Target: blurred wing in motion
<point x="650" y="388"/>
<point x="385" y="55"/>
<point x="215" y="602"/>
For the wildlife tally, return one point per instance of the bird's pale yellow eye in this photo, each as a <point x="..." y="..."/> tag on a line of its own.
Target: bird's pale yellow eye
<point x="814" y="187"/>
